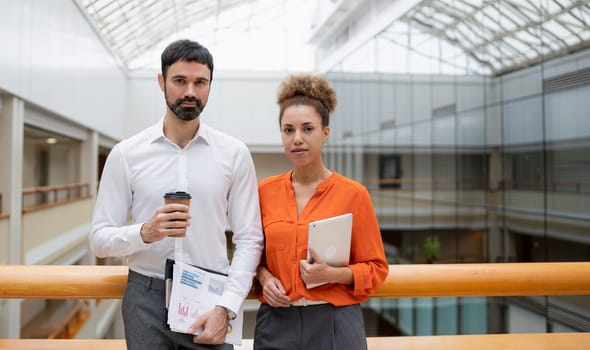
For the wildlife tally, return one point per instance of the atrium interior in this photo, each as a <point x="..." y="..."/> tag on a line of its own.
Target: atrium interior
<point x="465" y="119"/>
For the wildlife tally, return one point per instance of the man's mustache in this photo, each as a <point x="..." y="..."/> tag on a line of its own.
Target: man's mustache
<point x="195" y="100"/>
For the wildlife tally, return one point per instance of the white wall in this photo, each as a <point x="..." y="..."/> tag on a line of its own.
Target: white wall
<point x="62" y="168"/>
<point x="240" y="104"/>
<point x="245" y="106"/>
<point x="146" y="102"/>
<point x="31" y="174"/>
<point x="270" y="164"/>
<point x="52" y="58"/>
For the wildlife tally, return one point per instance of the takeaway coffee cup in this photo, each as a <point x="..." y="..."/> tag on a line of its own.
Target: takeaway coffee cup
<point x="179" y="197"/>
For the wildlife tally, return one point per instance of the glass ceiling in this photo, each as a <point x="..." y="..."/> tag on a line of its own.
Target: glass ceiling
<point x="505" y="35"/>
<point x="241" y="34"/>
<point x="488" y="37"/>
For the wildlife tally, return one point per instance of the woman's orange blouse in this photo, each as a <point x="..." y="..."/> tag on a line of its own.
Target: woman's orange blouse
<point x="286" y="236"/>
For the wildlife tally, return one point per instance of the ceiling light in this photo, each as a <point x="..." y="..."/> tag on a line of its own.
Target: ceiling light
<point x="51" y="140"/>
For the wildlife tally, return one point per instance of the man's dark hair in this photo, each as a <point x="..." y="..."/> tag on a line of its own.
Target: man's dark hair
<point x="188" y="51"/>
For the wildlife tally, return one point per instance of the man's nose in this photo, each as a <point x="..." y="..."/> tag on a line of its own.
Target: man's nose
<point x="190" y="90"/>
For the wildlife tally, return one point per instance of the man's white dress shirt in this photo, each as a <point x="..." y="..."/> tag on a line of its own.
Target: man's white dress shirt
<point x="217" y="170"/>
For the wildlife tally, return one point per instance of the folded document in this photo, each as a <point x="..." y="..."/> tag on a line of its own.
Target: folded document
<point x="196" y="291"/>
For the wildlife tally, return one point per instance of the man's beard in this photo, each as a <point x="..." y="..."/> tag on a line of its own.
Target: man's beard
<point x="186" y="113"/>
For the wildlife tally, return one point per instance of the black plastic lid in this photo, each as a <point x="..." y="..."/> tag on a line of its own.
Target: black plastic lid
<point x="178" y="195"/>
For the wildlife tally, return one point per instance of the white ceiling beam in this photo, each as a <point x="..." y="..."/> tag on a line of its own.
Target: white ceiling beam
<point x="382" y="20"/>
<point x="100" y="35"/>
<point x="332" y="21"/>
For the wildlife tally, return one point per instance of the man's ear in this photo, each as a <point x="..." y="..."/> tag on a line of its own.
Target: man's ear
<point x="161" y="81"/>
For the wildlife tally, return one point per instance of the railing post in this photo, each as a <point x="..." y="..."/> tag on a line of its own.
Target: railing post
<point x="11" y="149"/>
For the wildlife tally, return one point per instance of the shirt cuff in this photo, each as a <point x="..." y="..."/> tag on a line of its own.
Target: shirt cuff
<point x="134" y="237"/>
<point x="231" y="301"/>
<point x="360" y="281"/>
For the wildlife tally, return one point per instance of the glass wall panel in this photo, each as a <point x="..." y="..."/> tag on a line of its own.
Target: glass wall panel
<point x="473" y="315"/>
<point x="446" y="316"/>
<point x="406" y="316"/>
<point x="474" y="149"/>
<point x="424" y="316"/>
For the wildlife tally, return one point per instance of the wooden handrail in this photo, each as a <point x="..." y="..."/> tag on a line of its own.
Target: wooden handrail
<point x="427" y="180"/>
<point x="47" y="189"/>
<point x="404" y="281"/>
<point x="72" y="320"/>
<point x="83" y="192"/>
<point x="482" y="184"/>
<point x="493" y="279"/>
<point x="62" y="282"/>
<point x="542" y="183"/>
<point x="544" y="341"/>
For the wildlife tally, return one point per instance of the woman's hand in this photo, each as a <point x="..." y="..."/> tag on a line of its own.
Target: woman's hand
<point x="272" y="289"/>
<point x="320" y="272"/>
<point x="316" y="271"/>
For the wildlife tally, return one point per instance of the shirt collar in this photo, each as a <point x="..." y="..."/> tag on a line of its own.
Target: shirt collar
<point x="322" y="186"/>
<point x="156" y="133"/>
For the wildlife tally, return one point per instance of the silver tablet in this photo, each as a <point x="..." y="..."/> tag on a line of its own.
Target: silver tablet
<point x="330" y="238"/>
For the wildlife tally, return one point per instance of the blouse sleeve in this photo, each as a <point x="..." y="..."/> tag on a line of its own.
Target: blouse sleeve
<point x="368" y="264"/>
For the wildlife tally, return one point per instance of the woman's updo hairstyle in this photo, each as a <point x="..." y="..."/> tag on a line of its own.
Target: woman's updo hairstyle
<point x="309" y="90"/>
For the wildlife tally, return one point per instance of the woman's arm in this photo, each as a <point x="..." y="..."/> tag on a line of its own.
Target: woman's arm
<point x="367" y="259"/>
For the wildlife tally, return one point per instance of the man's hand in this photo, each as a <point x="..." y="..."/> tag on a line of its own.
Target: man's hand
<point x="171" y="219"/>
<point x="214" y="327"/>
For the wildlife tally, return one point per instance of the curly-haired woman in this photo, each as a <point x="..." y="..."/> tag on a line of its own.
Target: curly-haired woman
<point x="292" y="316"/>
